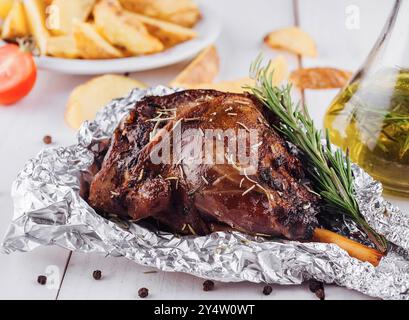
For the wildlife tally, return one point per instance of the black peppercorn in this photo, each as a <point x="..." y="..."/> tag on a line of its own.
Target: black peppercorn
<point x="267" y="290"/>
<point x="97" y="274"/>
<point x="208" y="285"/>
<point x="42" y="280"/>
<point x="318" y="288"/>
<point x="314" y="285"/>
<point x="143" y="292"/>
<point x="47" y="139"/>
<point x="320" y="293"/>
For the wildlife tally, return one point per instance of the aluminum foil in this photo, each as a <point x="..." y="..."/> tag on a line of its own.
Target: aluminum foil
<point x="48" y="210"/>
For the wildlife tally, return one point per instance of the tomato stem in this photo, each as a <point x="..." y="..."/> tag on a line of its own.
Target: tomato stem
<point x="26" y="44"/>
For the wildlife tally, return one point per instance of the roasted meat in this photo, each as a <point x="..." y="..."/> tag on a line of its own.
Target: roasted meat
<point x="154" y="168"/>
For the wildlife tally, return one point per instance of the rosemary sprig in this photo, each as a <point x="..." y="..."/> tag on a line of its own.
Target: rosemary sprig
<point x="329" y="169"/>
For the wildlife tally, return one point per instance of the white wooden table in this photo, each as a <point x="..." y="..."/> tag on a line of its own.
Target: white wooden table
<point x="23" y="126"/>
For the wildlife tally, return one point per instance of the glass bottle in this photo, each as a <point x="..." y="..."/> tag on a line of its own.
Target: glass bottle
<point x="370" y="116"/>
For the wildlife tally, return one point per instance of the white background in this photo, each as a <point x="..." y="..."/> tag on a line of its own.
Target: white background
<point x="23" y="126"/>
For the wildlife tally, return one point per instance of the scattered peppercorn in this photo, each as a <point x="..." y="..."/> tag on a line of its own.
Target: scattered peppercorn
<point x="48" y="139"/>
<point x="97" y="274"/>
<point x="208" y="285"/>
<point x="320" y="293"/>
<point x="267" y="290"/>
<point x="143" y="292"/>
<point x="317" y="287"/>
<point x="126" y="74"/>
<point x="314" y="285"/>
<point x="42" y="280"/>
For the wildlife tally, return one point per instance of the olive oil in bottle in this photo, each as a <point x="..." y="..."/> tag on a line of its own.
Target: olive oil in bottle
<point x="371" y="118"/>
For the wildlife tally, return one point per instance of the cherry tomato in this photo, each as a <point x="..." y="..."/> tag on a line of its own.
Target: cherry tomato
<point x="18" y="74"/>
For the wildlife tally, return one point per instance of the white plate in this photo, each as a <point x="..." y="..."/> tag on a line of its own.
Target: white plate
<point x="208" y="30"/>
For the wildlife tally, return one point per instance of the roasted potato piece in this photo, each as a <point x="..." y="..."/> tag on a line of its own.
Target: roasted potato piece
<point x="168" y="33"/>
<point x="234" y="86"/>
<point x="122" y="29"/>
<point x="62" y="47"/>
<point x="69" y="12"/>
<point x="293" y="40"/>
<point x="203" y="69"/>
<point x="15" y="24"/>
<point x="5" y="7"/>
<point x="278" y="66"/>
<point x="186" y="18"/>
<point x="87" y="99"/>
<point x="35" y="11"/>
<point x="91" y="45"/>
<point x="320" y="78"/>
<point x="183" y="12"/>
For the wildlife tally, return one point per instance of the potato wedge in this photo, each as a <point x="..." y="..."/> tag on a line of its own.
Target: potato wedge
<point x="122" y="29"/>
<point x="69" y="12"/>
<point x="91" y="45"/>
<point x="15" y="24"/>
<point x="35" y="11"/>
<point x="168" y="33"/>
<point x="278" y="65"/>
<point x="320" y="78"/>
<point x="182" y="12"/>
<point x="5" y="7"/>
<point x="203" y="69"/>
<point x="293" y="40"/>
<point x="62" y="47"/>
<point x="186" y="18"/>
<point x="87" y="99"/>
<point x="234" y="86"/>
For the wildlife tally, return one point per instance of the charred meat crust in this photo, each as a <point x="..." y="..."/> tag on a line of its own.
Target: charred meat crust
<point x="193" y="198"/>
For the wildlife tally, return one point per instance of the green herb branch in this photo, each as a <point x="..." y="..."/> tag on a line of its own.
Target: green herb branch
<point x="330" y="169"/>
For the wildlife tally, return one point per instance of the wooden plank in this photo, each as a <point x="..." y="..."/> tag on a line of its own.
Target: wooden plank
<point x="22" y="128"/>
<point x="19" y="272"/>
<point x="122" y="279"/>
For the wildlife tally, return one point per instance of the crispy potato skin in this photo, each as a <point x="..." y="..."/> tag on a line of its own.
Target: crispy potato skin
<point x="169" y="34"/>
<point x="278" y="65"/>
<point x="182" y="12"/>
<point x="35" y="11"/>
<point x="203" y="69"/>
<point x="91" y="44"/>
<point x="15" y="24"/>
<point x="63" y="47"/>
<point x="69" y="12"/>
<point x="120" y="28"/>
<point x="320" y="78"/>
<point x="5" y="7"/>
<point x="124" y="28"/>
<point x="87" y="99"/>
<point x="293" y="40"/>
<point x="233" y="86"/>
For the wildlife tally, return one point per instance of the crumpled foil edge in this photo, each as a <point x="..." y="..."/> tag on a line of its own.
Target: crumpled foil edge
<point x="48" y="210"/>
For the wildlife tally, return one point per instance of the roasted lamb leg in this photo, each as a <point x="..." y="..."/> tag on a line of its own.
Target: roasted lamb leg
<point x="191" y="192"/>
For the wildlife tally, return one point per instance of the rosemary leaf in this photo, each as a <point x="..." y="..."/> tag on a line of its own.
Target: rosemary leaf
<point x="405" y="148"/>
<point x="330" y="170"/>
